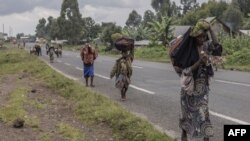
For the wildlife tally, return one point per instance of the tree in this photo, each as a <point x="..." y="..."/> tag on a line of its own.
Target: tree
<point x="134" y="19"/>
<point x="148" y="17"/>
<point x="176" y="10"/>
<point x="233" y="17"/>
<point x="54" y="30"/>
<point x="41" y="28"/>
<point x="246" y="24"/>
<point x="188" y="5"/>
<point x="210" y="9"/>
<point x="19" y="35"/>
<point x="244" y="7"/>
<point x="139" y="33"/>
<point x="161" y="30"/>
<point x="70" y="21"/>
<point x="216" y="8"/>
<point x="48" y="27"/>
<point x="162" y="7"/>
<point x="108" y="30"/>
<point x="90" y="28"/>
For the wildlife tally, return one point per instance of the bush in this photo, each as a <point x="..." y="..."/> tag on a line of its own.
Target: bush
<point x="241" y="57"/>
<point x="231" y="45"/>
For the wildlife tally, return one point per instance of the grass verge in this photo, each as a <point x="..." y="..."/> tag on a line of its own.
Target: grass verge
<point x="15" y="109"/>
<point x="70" y="132"/>
<point x="89" y="106"/>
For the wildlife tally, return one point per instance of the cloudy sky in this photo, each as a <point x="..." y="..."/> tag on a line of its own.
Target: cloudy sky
<point x="23" y="15"/>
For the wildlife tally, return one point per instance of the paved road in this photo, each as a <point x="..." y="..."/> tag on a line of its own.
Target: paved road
<point x="154" y="93"/>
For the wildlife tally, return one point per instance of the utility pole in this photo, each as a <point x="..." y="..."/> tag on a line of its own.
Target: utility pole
<point x="3" y="28"/>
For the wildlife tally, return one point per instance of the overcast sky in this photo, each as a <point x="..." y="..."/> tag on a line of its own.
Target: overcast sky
<point x="23" y="15"/>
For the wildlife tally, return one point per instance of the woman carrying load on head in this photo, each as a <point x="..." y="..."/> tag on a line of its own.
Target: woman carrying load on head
<point x="122" y="69"/>
<point x="192" y="64"/>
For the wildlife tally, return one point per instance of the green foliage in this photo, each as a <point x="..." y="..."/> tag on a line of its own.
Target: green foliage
<point x="137" y="33"/>
<point x="155" y="53"/>
<point x="241" y="57"/>
<point x="210" y="9"/>
<point x="40" y="28"/>
<point x="90" y="29"/>
<point x="244" y="7"/>
<point x="147" y="18"/>
<point x="14" y="109"/>
<point x="70" y="21"/>
<point x="70" y="132"/>
<point x="246" y="24"/>
<point x="134" y="19"/>
<point x="164" y="8"/>
<point x="116" y="36"/>
<point x="188" y="5"/>
<point x="231" y="45"/>
<point x="161" y="30"/>
<point x="237" y="52"/>
<point x="107" y="30"/>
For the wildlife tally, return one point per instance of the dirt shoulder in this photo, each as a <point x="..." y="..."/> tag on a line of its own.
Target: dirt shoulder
<point x="54" y="107"/>
<point x="48" y="116"/>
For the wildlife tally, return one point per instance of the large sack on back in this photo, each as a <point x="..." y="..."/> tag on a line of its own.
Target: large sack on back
<point x="183" y="52"/>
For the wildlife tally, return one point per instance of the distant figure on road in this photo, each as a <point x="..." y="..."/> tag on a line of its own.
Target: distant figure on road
<point x="88" y="55"/>
<point x="24" y="43"/>
<point x="38" y="49"/>
<point x="47" y="48"/>
<point x="191" y="61"/>
<point x="51" y="52"/>
<point x="123" y="66"/>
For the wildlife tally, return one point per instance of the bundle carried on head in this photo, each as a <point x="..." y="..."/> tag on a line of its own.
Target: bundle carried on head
<point x="200" y="27"/>
<point x="124" y="44"/>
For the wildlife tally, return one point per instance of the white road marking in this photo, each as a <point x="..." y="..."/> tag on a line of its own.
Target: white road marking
<point x="141" y="89"/>
<point x="138" y="67"/>
<point x="102" y="76"/>
<point x="79" y="68"/>
<point x="229" y="118"/>
<point x="132" y="86"/>
<point x="234" y="83"/>
<point x="67" y="64"/>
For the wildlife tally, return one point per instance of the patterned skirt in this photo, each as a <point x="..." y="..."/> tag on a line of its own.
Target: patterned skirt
<point x="195" y="113"/>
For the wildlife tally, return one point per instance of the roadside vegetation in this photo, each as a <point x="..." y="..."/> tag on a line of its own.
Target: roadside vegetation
<point x="89" y="107"/>
<point x="154" y="26"/>
<point x="236" y="53"/>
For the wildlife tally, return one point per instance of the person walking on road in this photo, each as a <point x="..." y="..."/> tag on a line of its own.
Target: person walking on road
<point x="122" y="69"/>
<point x="88" y="55"/>
<point x="192" y="63"/>
<point x="123" y="72"/>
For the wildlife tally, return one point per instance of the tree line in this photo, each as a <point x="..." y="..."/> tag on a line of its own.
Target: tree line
<point x="153" y="25"/>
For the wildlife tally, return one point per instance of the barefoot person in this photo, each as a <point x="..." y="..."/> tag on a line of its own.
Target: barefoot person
<point x="88" y="55"/>
<point x="122" y="69"/>
<point x="191" y="62"/>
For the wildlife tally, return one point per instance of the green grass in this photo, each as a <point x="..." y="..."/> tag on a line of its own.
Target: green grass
<point x="70" y="132"/>
<point x="89" y="106"/>
<point x="245" y="68"/>
<point x="14" y="108"/>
